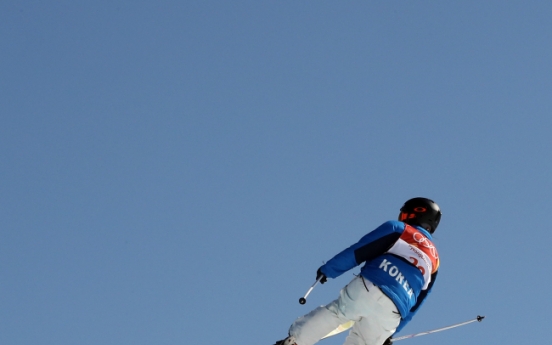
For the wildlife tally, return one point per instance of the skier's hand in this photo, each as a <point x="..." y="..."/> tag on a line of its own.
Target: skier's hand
<point x="321" y="275"/>
<point x="389" y="341"/>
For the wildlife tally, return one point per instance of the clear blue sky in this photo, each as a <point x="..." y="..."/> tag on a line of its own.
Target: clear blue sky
<point x="174" y="172"/>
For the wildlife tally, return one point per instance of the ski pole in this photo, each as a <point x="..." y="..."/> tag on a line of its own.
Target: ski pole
<point x="478" y="318"/>
<point x="303" y="299"/>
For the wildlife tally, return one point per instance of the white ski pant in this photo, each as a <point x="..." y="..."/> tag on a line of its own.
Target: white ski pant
<point x="375" y="315"/>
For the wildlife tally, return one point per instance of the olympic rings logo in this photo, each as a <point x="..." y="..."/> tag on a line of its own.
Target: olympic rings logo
<point x="424" y="242"/>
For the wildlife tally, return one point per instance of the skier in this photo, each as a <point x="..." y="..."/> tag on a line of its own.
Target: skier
<point x="401" y="264"/>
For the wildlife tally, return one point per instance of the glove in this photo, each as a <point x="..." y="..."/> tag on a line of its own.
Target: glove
<point x="389" y="341"/>
<point x="320" y="274"/>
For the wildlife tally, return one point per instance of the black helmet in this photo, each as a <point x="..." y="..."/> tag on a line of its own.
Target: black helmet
<point x="422" y="212"/>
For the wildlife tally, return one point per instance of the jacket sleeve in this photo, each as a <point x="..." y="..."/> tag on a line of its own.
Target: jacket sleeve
<point x="419" y="302"/>
<point x="368" y="247"/>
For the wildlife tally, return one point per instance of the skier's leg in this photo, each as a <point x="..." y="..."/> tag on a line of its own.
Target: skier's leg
<point x="354" y="337"/>
<point x="309" y="329"/>
<point x="368" y="331"/>
<point x="378" y="320"/>
<point x="359" y="299"/>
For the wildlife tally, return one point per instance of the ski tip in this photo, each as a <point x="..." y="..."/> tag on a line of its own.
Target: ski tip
<point x="480" y="318"/>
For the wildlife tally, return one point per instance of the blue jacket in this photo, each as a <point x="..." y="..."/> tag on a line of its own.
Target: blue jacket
<point x="400" y="259"/>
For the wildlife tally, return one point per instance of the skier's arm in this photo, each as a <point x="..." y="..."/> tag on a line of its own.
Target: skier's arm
<point x="370" y="246"/>
<point x="419" y="302"/>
